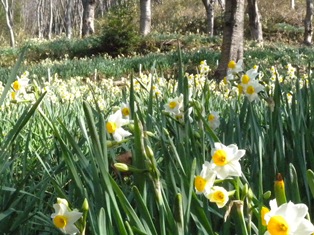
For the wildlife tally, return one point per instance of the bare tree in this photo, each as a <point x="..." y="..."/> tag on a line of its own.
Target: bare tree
<point x="308" y="27"/>
<point x="232" y="45"/>
<point x="68" y="19"/>
<point x="88" y="17"/>
<point x="146" y="16"/>
<point x="210" y="15"/>
<point x="50" y="20"/>
<point x="9" y="20"/>
<point x="255" y="21"/>
<point x="40" y="19"/>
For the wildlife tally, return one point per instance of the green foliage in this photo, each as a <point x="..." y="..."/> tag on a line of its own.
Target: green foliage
<point x="120" y="32"/>
<point x="60" y="148"/>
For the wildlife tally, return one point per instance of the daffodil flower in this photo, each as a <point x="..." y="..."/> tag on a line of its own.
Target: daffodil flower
<point x="203" y="67"/>
<point x="20" y="83"/>
<point x="205" y="180"/>
<point x="234" y="68"/>
<point x="114" y="126"/>
<point x="213" y="119"/>
<point x="180" y="116"/>
<point x="174" y="105"/>
<point x="218" y="195"/>
<point x="19" y="88"/>
<point x="225" y="160"/>
<point x="250" y="75"/>
<point x="125" y="110"/>
<point x="64" y="219"/>
<point x="288" y="219"/>
<point x="251" y="90"/>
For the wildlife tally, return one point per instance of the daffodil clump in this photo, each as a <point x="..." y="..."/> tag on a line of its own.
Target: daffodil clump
<point x="144" y="82"/>
<point x="220" y="181"/>
<point x="80" y="89"/>
<point x="162" y="86"/>
<point x="246" y="82"/>
<point x="197" y="81"/>
<point x="26" y="88"/>
<point x="224" y="164"/>
<point x="288" y="80"/>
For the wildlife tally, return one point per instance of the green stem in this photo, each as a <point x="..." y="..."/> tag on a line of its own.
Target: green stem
<point x="241" y="220"/>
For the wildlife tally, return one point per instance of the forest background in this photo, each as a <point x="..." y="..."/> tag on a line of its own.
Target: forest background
<point x="42" y="21"/>
<point x="57" y="145"/>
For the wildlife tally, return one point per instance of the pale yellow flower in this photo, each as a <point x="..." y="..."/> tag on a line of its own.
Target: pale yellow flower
<point x="218" y="195"/>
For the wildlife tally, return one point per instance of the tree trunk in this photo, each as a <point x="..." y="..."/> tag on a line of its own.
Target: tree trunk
<point x="9" y="20"/>
<point x="292" y="4"/>
<point x="50" y="20"/>
<point x="308" y="27"/>
<point x="40" y="19"/>
<point x="209" y="7"/>
<point x="146" y="16"/>
<point x="232" y="44"/>
<point x="222" y="4"/>
<point x="255" y="21"/>
<point x="88" y="17"/>
<point x="68" y="19"/>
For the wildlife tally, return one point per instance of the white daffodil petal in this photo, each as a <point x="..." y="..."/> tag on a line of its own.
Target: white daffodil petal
<point x="232" y="148"/>
<point x="296" y="212"/>
<point x="73" y="216"/>
<point x="231" y="169"/>
<point x="71" y="229"/>
<point x="239" y="154"/>
<point x="305" y="227"/>
<point x="117" y="137"/>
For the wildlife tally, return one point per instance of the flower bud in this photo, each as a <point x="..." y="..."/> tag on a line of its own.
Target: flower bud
<point x="267" y="195"/>
<point x="245" y="191"/>
<point x="280" y="192"/>
<point x="149" y="152"/>
<point x="149" y="133"/>
<point x="85" y="206"/>
<point x="122" y="167"/>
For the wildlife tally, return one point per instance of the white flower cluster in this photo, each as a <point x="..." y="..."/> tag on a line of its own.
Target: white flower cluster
<point x="246" y="82"/>
<point x="224" y="164"/>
